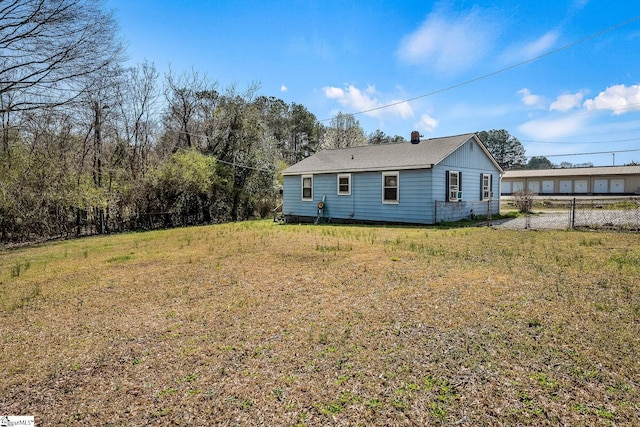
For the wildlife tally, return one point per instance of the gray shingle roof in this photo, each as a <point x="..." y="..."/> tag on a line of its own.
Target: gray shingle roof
<point x="397" y="156"/>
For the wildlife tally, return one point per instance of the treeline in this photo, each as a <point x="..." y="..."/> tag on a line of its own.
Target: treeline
<point x="135" y="154"/>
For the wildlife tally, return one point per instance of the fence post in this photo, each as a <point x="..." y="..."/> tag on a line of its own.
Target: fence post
<point x="435" y="212"/>
<point x="572" y="214"/>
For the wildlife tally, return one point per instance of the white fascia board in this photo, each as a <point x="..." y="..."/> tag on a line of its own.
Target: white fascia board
<point x="355" y="170"/>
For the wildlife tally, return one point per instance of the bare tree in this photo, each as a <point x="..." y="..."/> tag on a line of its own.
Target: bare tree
<point x="344" y="131"/>
<point x="185" y="95"/>
<point x="96" y="115"/>
<point x="138" y="98"/>
<point x="49" y="47"/>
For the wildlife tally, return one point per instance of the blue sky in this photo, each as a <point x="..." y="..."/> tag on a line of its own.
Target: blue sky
<point x="458" y="61"/>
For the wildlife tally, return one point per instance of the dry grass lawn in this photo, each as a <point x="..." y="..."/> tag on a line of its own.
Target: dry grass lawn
<point x="262" y="324"/>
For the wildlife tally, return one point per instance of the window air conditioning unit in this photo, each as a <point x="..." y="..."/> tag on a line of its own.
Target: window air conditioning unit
<point x="459" y="195"/>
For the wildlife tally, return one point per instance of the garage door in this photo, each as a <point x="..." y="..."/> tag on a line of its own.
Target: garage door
<point x="617" y="185"/>
<point x="600" y="185"/>
<point x="581" y="186"/>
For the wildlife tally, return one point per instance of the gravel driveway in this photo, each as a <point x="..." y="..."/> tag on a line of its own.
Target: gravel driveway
<point x="560" y="220"/>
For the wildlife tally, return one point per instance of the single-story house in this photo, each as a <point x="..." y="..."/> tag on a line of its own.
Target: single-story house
<point x="418" y="182"/>
<point x="600" y="181"/>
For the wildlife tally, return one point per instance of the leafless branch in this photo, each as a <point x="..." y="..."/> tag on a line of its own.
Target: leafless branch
<point x="49" y="49"/>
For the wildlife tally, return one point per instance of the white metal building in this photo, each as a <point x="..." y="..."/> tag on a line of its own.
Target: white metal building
<point x="606" y="180"/>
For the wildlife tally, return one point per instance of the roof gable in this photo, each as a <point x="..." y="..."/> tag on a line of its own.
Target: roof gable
<point x="397" y="156"/>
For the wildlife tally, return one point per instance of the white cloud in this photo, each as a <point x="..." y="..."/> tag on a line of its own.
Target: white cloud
<point x="566" y="102"/>
<point x="549" y="129"/>
<point x="427" y="123"/>
<point x="619" y="99"/>
<point x="540" y="45"/>
<point x="450" y="42"/>
<point x="580" y="4"/>
<point x="354" y="99"/>
<point x="283" y="88"/>
<point x="531" y="49"/>
<point x="531" y="100"/>
<point x="333" y="92"/>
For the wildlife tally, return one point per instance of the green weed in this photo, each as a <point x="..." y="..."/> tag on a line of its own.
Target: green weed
<point x="120" y="258"/>
<point x="167" y="392"/>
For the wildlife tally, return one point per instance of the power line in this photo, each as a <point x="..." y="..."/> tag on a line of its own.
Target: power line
<point x="245" y="166"/>
<point x="580" y="142"/>
<point x="585" y="154"/>
<point x="239" y="165"/>
<point x="502" y="70"/>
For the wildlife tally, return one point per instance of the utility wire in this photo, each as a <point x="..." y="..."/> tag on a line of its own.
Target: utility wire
<point x="502" y="70"/>
<point x="244" y="166"/>
<point x="225" y="162"/>
<point x="585" y="154"/>
<point x="579" y="142"/>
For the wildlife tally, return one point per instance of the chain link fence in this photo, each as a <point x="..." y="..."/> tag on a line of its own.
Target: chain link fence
<point x="615" y="213"/>
<point x="457" y="211"/>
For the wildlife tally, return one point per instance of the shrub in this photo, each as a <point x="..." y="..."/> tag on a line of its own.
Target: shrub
<point x="523" y="201"/>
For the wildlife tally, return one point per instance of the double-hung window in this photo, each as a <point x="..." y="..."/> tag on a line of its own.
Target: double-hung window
<point x="390" y="187"/>
<point x="307" y="187"/>
<point x="485" y="180"/>
<point x="454" y="192"/>
<point x="344" y="184"/>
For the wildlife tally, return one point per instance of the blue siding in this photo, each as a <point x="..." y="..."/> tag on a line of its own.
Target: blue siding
<point x="365" y="201"/>
<point x="471" y="162"/>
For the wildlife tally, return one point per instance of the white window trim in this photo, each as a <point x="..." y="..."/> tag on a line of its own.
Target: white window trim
<point x="486" y="190"/>
<point x="302" y="178"/>
<point x="454" y="197"/>
<point x="397" y="175"/>
<point x="344" y="175"/>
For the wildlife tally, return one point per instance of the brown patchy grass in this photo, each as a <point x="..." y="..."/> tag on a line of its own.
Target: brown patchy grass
<point x="260" y="324"/>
